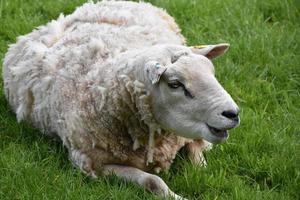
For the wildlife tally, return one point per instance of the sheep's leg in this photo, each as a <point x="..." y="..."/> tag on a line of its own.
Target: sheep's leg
<point x="195" y="151"/>
<point x="83" y="161"/>
<point x="150" y="182"/>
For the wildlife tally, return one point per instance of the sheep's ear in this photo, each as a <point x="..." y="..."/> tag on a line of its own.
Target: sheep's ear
<point x="211" y="51"/>
<point x="154" y="70"/>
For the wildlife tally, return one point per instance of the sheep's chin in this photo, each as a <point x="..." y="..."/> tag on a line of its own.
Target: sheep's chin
<point x="206" y="132"/>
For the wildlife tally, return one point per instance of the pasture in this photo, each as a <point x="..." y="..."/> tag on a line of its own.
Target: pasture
<point x="261" y="70"/>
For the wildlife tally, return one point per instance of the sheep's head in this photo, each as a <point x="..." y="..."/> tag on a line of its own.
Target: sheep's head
<point x="186" y="97"/>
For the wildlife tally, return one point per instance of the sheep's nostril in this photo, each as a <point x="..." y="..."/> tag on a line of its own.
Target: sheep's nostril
<point x="230" y="114"/>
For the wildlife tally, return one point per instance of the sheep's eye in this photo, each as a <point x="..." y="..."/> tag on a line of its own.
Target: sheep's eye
<point x="177" y="84"/>
<point x="174" y="84"/>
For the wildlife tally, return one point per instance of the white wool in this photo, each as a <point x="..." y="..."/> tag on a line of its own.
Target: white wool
<point x="150" y="146"/>
<point x="81" y="77"/>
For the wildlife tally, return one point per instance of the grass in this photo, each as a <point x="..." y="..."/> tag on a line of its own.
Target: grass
<point x="261" y="159"/>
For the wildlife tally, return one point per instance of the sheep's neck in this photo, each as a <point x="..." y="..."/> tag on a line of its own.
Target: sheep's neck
<point x="140" y="99"/>
<point x="129" y="103"/>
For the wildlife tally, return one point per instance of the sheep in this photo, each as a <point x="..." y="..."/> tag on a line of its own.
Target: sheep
<point x="117" y="83"/>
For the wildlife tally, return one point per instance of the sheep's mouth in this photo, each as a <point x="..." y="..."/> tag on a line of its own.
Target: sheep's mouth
<point x="218" y="132"/>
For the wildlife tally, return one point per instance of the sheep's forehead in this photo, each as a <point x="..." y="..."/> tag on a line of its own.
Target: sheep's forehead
<point x="193" y="71"/>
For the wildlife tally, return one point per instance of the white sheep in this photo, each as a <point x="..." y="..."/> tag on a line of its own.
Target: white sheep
<point x="116" y="82"/>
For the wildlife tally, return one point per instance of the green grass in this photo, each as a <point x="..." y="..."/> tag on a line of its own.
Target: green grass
<point x="261" y="159"/>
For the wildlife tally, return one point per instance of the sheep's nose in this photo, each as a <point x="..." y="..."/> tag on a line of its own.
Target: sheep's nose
<point x="231" y="114"/>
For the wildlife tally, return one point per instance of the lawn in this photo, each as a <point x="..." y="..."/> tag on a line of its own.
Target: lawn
<point x="260" y="160"/>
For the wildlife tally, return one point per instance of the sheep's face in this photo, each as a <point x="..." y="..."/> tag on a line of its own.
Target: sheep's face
<point x="188" y="100"/>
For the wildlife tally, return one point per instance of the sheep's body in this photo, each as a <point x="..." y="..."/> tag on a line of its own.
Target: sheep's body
<point x="73" y="77"/>
<point x="115" y="81"/>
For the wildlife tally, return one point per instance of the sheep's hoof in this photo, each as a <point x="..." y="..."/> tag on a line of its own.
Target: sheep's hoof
<point x="177" y="197"/>
<point x="82" y="161"/>
<point x="198" y="159"/>
<point x="158" y="187"/>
